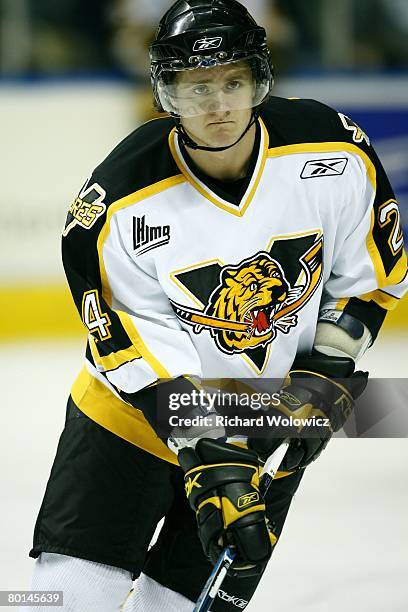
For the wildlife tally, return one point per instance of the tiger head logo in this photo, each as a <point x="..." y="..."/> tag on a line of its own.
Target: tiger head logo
<point x="250" y="293"/>
<point x="252" y="302"/>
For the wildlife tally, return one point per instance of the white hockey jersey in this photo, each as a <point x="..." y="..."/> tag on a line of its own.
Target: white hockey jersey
<point x="175" y="275"/>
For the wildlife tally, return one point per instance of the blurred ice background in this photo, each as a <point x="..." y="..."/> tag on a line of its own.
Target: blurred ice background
<point x="73" y="82"/>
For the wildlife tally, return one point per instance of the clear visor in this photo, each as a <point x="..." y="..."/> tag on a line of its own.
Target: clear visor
<point x="211" y="86"/>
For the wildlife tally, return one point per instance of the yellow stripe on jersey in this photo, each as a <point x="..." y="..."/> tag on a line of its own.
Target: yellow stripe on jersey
<point x="399" y="270"/>
<point x="133" y="334"/>
<point x="127" y="323"/>
<point x="261" y="167"/>
<point x="341" y="304"/>
<point x="95" y="400"/>
<point x="205" y="192"/>
<point x="129" y="200"/>
<point x="385" y="300"/>
<point x="327" y="147"/>
<point x="115" y="359"/>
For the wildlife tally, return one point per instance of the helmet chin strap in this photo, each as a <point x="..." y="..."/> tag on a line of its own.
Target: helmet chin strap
<point x="189" y="142"/>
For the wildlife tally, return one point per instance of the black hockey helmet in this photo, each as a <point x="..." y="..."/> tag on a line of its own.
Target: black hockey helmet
<point x="205" y="34"/>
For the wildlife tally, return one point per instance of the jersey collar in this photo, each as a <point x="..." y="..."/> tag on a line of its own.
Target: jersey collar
<point x="205" y="190"/>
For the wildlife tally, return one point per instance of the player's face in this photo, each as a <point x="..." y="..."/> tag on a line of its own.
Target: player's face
<point x="216" y="104"/>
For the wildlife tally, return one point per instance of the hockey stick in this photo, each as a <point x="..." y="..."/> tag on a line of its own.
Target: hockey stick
<point x="226" y="558"/>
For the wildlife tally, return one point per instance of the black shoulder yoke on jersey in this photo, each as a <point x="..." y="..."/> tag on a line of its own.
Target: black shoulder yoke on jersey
<point x="141" y="159"/>
<point x="298" y="121"/>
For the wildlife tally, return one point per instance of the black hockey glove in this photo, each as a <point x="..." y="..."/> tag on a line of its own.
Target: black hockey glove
<point x="222" y="486"/>
<point x="321" y="392"/>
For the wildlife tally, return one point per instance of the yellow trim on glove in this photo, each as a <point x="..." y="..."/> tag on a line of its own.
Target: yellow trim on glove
<point x="231" y="514"/>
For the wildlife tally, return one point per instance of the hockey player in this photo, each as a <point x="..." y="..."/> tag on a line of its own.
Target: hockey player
<point x="243" y="236"/>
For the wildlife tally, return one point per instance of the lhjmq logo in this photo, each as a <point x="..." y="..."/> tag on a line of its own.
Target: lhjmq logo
<point x="254" y="301"/>
<point x="146" y="237"/>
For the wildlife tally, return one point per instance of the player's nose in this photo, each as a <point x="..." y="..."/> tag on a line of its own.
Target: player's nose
<point x="218" y="103"/>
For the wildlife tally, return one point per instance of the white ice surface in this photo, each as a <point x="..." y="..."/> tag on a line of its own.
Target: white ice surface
<point x="345" y="542"/>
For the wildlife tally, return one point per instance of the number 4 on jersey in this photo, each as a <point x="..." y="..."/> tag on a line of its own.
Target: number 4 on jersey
<point x="93" y="317"/>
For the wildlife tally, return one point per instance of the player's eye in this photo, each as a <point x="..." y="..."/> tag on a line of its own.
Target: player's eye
<point x="233" y="85"/>
<point x="201" y="90"/>
<point x="253" y="286"/>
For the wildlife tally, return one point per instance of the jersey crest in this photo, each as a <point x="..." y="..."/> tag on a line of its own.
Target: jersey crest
<point x="254" y="301"/>
<point x="357" y="133"/>
<point x="86" y="209"/>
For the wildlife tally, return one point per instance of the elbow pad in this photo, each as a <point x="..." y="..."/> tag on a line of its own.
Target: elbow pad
<point x="339" y="334"/>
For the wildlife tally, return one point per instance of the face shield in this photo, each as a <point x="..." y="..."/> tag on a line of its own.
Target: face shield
<point x="212" y="85"/>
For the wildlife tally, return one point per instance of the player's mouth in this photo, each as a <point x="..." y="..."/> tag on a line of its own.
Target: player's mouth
<point x="261" y="320"/>
<point x="221" y="123"/>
